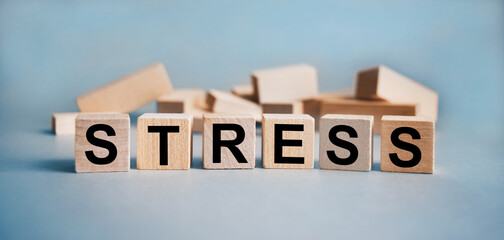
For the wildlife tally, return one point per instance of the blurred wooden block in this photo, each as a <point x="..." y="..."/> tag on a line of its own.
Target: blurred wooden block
<point x="129" y="92"/>
<point x="182" y="101"/>
<point x="366" y="107"/>
<point x="288" y="141"/>
<point x="285" y="84"/>
<point x="383" y="83"/>
<point x="229" y="141"/>
<point x="293" y="107"/>
<point x="225" y="102"/>
<point x="102" y="142"/>
<point x="63" y="123"/>
<point x="407" y="144"/>
<point x="346" y="142"/>
<point x="164" y="141"/>
<point x="198" y="119"/>
<point x="311" y="106"/>
<point x="245" y="91"/>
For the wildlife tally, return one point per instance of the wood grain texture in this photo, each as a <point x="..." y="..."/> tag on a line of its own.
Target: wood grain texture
<point x="367" y="107"/>
<point x="179" y="144"/>
<point x="425" y="128"/>
<point x="292" y="107"/>
<point x="182" y="101"/>
<point x="129" y="92"/>
<point x="245" y="91"/>
<point x="121" y="125"/>
<point x="383" y="83"/>
<point x="225" y="102"/>
<point x="363" y="126"/>
<point x="63" y="123"/>
<point x="307" y="137"/>
<point x="247" y="147"/>
<point x="285" y="84"/>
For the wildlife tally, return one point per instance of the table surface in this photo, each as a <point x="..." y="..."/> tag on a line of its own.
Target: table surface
<point x="51" y="52"/>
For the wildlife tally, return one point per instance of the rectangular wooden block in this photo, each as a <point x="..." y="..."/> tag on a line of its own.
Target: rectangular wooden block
<point x="63" y="123"/>
<point x="346" y="142"/>
<point x="292" y="107"/>
<point x="164" y="141"/>
<point x="311" y="106"/>
<point x="198" y="119"/>
<point x="367" y="107"/>
<point x="407" y="144"/>
<point x="102" y="142"/>
<point x="129" y="92"/>
<point x="182" y="101"/>
<point x="225" y="102"/>
<point x="383" y="83"/>
<point x="288" y="141"/>
<point x="245" y="91"/>
<point x="285" y="84"/>
<point x="229" y="141"/>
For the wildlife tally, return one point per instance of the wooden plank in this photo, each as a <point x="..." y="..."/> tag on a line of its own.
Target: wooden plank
<point x="182" y="101"/>
<point x="346" y="142"/>
<point x="285" y="84"/>
<point x="91" y="130"/>
<point x="407" y="144"/>
<point x="225" y="102"/>
<point x="238" y="129"/>
<point x="292" y="107"/>
<point x="164" y="141"/>
<point x="367" y="107"/>
<point x="383" y="83"/>
<point x="288" y="141"/>
<point x="245" y="91"/>
<point x="129" y="92"/>
<point x="63" y="123"/>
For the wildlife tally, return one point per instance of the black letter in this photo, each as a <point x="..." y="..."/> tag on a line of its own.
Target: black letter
<point x="417" y="154"/>
<point x="280" y="143"/>
<point x="230" y="144"/>
<point x="354" y="153"/>
<point x="163" y="140"/>
<point x="101" y="143"/>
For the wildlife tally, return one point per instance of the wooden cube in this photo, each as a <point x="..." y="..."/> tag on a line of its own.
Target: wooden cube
<point x="285" y="83"/>
<point x="63" y="123"/>
<point x="288" y="141"/>
<point x="129" y="92"/>
<point x="383" y="83"/>
<point x="102" y="142"/>
<point x="346" y="142"/>
<point x="164" y="141"/>
<point x="407" y="144"/>
<point x="229" y="141"/>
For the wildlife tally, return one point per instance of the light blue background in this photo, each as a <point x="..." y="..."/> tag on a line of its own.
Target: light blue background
<point x="53" y="51"/>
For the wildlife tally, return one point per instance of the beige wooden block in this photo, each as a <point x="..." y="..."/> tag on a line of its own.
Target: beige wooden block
<point x="407" y="144"/>
<point x="292" y="107"/>
<point x="367" y="107"/>
<point x="102" y="142"/>
<point x="229" y="141"/>
<point x="346" y="142"/>
<point x="63" y="123"/>
<point x="288" y="141"/>
<point x="164" y="141"/>
<point x="383" y="83"/>
<point x="311" y="106"/>
<point x="182" y="101"/>
<point x="129" y="92"/>
<point x="285" y="84"/>
<point x="245" y="91"/>
<point x="225" y="102"/>
<point x="198" y="120"/>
